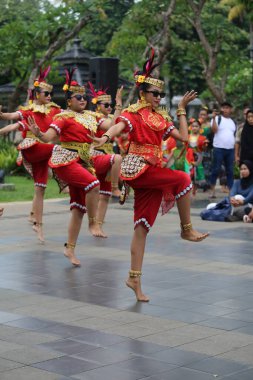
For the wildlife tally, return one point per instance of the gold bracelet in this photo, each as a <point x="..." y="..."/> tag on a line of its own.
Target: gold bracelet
<point x="118" y="107"/>
<point x="181" y="112"/>
<point x="108" y="137"/>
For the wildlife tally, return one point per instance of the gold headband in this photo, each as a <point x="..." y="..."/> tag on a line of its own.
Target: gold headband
<point x="77" y="89"/>
<point x="104" y="98"/>
<point x="44" y="86"/>
<point x="155" y="82"/>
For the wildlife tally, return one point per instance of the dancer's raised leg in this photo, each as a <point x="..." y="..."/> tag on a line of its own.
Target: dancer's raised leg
<point x="187" y="231"/>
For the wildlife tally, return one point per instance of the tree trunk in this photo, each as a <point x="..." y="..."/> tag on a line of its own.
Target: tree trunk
<point x="209" y="64"/>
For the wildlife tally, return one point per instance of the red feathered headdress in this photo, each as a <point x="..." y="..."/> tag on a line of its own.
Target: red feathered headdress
<point x="145" y="76"/>
<point x="41" y="80"/>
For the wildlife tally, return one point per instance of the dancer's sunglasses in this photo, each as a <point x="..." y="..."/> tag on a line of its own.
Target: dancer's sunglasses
<point x="79" y="97"/>
<point x="107" y="105"/>
<point x="47" y="93"/>
<point x="157" y="93"/>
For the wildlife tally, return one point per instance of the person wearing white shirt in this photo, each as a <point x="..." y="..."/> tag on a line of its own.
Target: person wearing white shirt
<point x="224" y="130"/>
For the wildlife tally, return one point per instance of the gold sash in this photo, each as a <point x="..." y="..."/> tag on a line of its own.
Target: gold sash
<point x="81" y="148"/>
<point x="30" y="135"/>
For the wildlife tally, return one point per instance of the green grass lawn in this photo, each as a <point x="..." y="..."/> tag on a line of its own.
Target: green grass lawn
<point x="24" y="189"/>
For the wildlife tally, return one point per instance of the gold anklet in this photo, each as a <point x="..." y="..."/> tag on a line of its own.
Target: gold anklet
<point x="100" y="223"/>
<point x="186" y="227"/>
<point x="69" y="245"/>
<point x="92" y="219"/>
<point x="38" y="224"/>
<point x="135" y="273"/>
<point x="115" y="185"/>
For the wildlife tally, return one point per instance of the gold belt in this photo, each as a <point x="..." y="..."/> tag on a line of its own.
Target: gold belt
<point x="81" y="148"/>
<point x="30" y="135"/>
<point x="107" y="148"/>
<point x="145" y="149"/>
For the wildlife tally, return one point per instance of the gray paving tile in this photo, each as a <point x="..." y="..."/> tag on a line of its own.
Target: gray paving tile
<point x="244" y="375"/>
<point x="30" y="355"/>
<point x="65" y="330"/>
<point x="137" y="347"/>
<point x="28" y="373"/>
<point x="68" y="346"/>
<point x="7" y="317"/>
<point x="224" y="323"/>
<point x="241" y="355"/>
<point x="245" y="315"/>
<point x="30" y="323"/>
<point x="108" y="372"/>
<point x="182" y="373"/>
<point x="6" y="365"/>
<point x="99" y="338"/>
<point x="104" y="356"/>
<point x="178" y="357"/>
<point x="146" y="366"/>
<point x="217" y="366"/>
<point x="66" y="365"/>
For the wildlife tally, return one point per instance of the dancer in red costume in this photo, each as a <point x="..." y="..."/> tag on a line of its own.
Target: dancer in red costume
<point x="35" y="153"/>
<point x="106" y="162"/>
<point x="142" y="167"/>
<point x="71" y="161"/>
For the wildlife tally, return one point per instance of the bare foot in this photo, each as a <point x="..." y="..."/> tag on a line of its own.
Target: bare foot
<point x="116" y="193"/>
<point x="193" y="235"/>
<point x="37" y="227"/>
<point x="135" y="285"/>
<point x="96" y="230"/>
<point x="70" y="254"/>
<point x="1" y="211"/>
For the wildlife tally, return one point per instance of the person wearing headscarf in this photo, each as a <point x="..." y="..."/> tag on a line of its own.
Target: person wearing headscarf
<point x="141" y="169"/>
<point x="34" y="153"/>
<point x="241" y="193"/>
<point x="246" y="143"/>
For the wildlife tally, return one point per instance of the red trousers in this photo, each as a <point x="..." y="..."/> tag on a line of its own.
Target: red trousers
<point x="37" y="157"/>
<point x="154" y="188"/>
<point x="80" y="182"/>
<point x="103" y="164"/>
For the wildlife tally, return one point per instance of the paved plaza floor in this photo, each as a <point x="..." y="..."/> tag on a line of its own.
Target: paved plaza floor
<point x="58" y="322"/>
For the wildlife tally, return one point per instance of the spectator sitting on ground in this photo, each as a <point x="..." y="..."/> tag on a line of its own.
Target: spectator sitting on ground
<point x="241" y="194"/>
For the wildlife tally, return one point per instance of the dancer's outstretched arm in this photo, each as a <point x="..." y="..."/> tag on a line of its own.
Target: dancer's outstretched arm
<point x="182" y="133"/>
<point x="114" y="131"/>
<point x="48" y="136"/>
<point x="9" y="128"/>
<point x="9" y="115"/>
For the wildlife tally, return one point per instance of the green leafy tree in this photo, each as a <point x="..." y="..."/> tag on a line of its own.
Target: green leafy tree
<point x="32" y="33"/>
